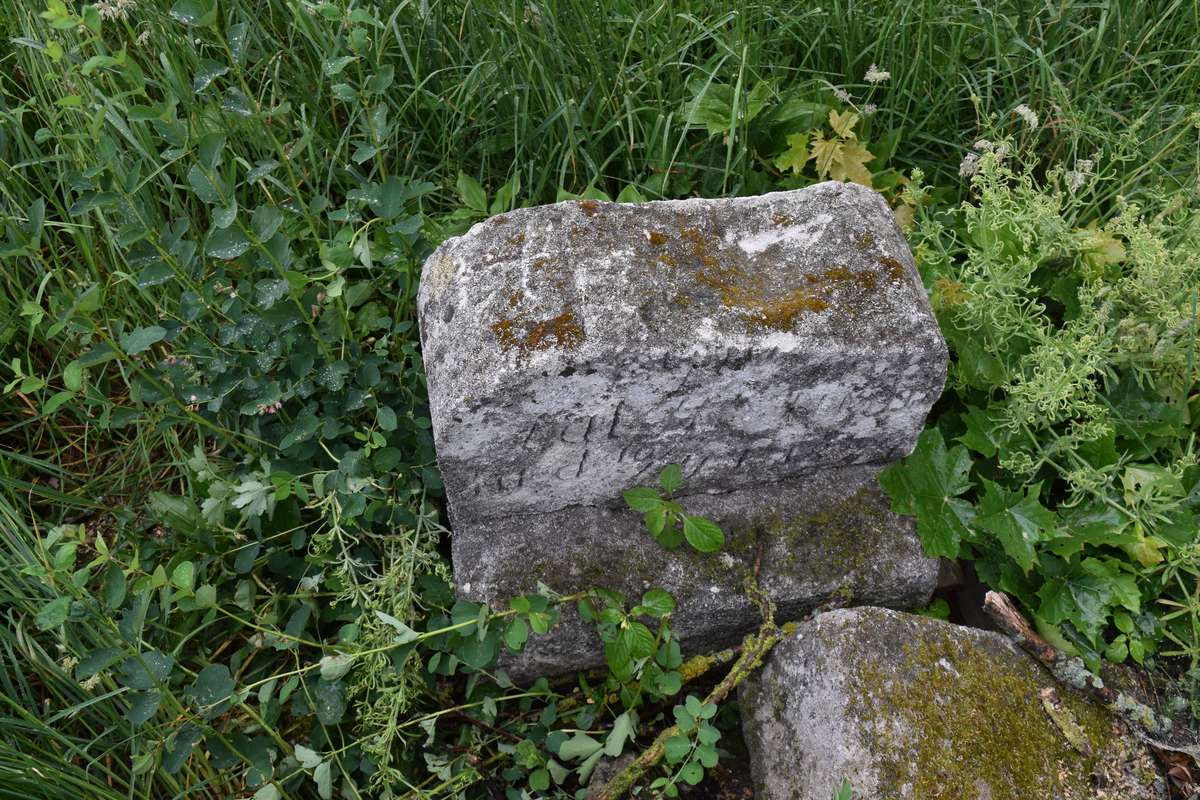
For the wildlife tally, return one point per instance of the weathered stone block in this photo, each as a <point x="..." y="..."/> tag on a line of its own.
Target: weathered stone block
<point x="828" y="538"/>
<point x="908" y="707"/>
<point x="574" y="349"/>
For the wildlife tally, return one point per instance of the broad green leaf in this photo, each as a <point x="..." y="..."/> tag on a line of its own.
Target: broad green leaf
<point x="207" y="72"/>
<point x="154" y="274"/>
<point x="206" y="185"/>
<point x="539" y="780"/>
<point x="825" y="152"/>
<point x="265" y="221"/>
<point x="195" y="13"/>
<point x="140" y="340"/>
<point x="56" y="401"/>
<point x="622" y="730"/>
<point x="73" y="376"/>
<point x="329" y="702"/>
<point x="323" y="777"/>
<point x="335" y="666"/>
<point x="676" y="748"/>
<point x="638" y="640"/>
<point x="211" y="689"/>
<point x="206" y="596"/>
<point x="307" y="757"/>
<point x="703" y="534"/>
<point x="142" y="706"/>
<point x="146" y="670"/>
<point x="404" y="634"/>
<point x="332" y="66"/>
<point x="658" y="603"/>
<point x="928" y="484"/>
<point x="578" y="747"/>
<point x="183" y="577"/>
<point x="471" y="193"/>
<point x="226" y="243"/>
<point x="642" y="498"/>
<point x="671" y="478"/>
<point x="54" y="613"/>
<point x="506" y="195"/>
<point x="516" y="634"/>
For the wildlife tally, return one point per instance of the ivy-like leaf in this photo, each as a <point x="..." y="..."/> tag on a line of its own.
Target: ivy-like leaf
<point x="1017" y="519"/>
<point x="928" y="484"/>
<point x="796" y="155"/>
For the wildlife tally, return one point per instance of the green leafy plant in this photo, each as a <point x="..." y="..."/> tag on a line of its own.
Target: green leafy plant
<point x="665" y="518"/>
<point x="692" y="750"/>
<point x="1072" y="481"/>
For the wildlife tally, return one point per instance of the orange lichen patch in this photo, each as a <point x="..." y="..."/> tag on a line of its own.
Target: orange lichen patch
<point x="865" y="241"/>
<point x="562" y="331"/>
<point x="514" y="299"/>
<point x="781" y="314"/>
<point x="865" y="280"/>
<point x="895" y="270"/>
<point x="666" y="258"/>
<point x="518" y="239"/>
<point x="838" y="274"/>
<point x="499" y="219"/>
<point x="657" y="239"/>
<point x="682" y="300"/>
<point x="782" y="220"/>
<point x="589" y="207"/>
<point x="760" y="300"/>
<point x="541" y="263"/>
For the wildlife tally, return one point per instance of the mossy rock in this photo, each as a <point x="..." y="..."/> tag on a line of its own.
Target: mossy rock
<point x="910" y="708"/>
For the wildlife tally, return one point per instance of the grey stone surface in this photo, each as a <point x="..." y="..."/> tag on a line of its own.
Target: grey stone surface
<point x="908" y="707"/>
<point x="572" y="350"/>
<point x="828" y="538"/>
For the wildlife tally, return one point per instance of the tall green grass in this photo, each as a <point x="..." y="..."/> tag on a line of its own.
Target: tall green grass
<point x="562" y="95"/>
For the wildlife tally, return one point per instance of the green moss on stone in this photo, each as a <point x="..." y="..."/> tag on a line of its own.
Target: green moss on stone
<point x="953" y="721"/>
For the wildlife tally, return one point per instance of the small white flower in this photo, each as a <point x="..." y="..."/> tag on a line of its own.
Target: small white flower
<point x="91" y="683"/>
<point x="1076" y="178"/>
<point x="876" y="75"/>
<point x="1028" y="115"/>
<point x="143" y="37"/>
<point x="969" y="165"/>
<point x="310" y="583"/>
<point x="115" y="9"/>
<point x="985" y="145"/>
<point x="843" y="95"/>
<point x="869" y="109"/>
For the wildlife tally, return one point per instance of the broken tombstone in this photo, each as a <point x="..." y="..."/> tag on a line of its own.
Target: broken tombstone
<point x="780" y="348"/>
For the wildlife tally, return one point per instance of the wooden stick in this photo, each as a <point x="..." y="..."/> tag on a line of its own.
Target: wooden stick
<point x="1070" y="670"/>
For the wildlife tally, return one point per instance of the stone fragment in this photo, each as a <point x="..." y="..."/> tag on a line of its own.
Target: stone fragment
<point x="574" y="349"/>
<point x="910" y="708"/>
<point x="828" y="538"/>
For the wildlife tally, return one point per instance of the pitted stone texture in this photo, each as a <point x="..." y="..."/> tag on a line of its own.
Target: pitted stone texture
<point x="910" y="708"/>
<point x="829" y="538"/>
<point x="574" y="349"/>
